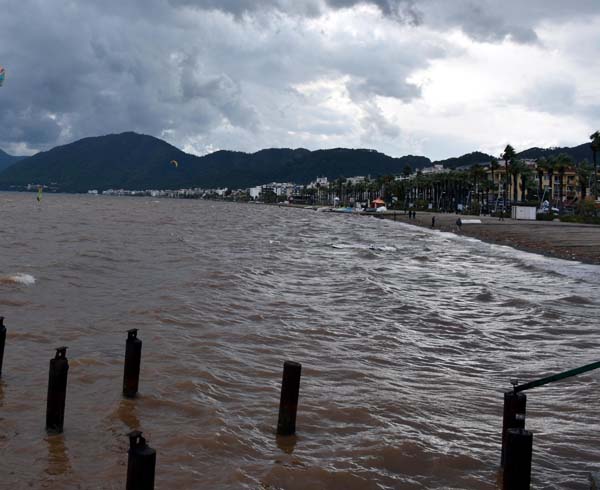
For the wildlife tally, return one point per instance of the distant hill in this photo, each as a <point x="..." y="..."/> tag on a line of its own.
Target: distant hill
<point x="577" y="153"/>
<point x="469" y="159"/>
<point x="135" y="161"/>
<point x="7" y="160"/>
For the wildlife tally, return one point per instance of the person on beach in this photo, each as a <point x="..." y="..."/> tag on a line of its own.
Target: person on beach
<point x="433" y="221"/>
<point x="459" y="224"/>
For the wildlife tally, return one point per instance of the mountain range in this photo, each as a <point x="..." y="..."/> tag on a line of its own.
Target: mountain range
<point x="7" y="160"/>
<point x="135" y="161"/>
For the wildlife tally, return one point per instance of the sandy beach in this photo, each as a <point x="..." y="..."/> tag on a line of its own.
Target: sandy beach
<point x="571" y="241"/>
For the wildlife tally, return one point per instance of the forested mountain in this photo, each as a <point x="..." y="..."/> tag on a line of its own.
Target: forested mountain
<point x="577" y="153"/>
<point x="469" y="159"/>
<point x="134" y="161"/>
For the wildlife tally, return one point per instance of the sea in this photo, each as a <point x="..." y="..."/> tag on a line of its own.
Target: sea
<point x="407" y="338"/>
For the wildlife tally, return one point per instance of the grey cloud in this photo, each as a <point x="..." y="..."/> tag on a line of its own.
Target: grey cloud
<point x="552" y="96"/>
<point x="483" y="20"/>
<point x="493" y="21"/>
<point x="400" y="9"/>
<point x="79" y="69"/>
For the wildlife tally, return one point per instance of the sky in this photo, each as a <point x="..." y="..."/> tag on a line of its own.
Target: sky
<point x="437" y="78"/>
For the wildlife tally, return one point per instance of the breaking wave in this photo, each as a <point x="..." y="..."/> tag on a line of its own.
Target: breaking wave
<point x="19" y="278"/>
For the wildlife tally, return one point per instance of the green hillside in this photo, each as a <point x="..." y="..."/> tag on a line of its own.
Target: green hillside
<point x="134" y="161"/>
<point x="7" y="160"/>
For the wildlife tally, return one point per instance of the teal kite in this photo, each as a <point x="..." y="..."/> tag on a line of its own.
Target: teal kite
<point x="2" y="75"/>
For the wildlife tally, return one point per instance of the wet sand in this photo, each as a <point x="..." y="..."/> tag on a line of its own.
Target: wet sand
<point x="571" y="241"/>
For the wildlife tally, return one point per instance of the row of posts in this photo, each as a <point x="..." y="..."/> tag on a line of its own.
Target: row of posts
<point x="516" y="441"/>
<point x="141" y="462"/>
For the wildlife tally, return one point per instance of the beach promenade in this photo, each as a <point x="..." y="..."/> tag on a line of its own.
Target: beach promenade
<point x="571" y="241"/>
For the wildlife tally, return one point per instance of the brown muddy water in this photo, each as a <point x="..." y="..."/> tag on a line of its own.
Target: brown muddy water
<point x="406" y="348"/>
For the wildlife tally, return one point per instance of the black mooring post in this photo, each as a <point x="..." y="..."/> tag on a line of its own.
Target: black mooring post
<point x="2" y="342"/>
<point x="517" y="461"/>
<point x="133" y="357"/>
<point x="514" y="416"/>
<point x="288" y="405"/>
<point x="57" y="391"/>
<point x="141" y="463"/>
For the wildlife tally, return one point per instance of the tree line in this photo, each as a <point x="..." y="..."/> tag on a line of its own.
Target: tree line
<point x="482" y="188"/>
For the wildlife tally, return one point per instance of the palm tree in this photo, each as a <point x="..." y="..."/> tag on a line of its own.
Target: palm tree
<point x="561" y="163"/>
<point x="595" y="137"/>
<point x="516" y="167"/>
<point x="508" y="156"/>
<point x="494" y="166"/>
<point x="541" y="165"/>
<point x="584" y="172"/>
<point x="478" y="173"/>
<point x="527" y="183"/>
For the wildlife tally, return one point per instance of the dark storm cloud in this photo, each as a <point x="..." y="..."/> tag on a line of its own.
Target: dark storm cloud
<point x="404" y="10"/>
<point x="483" y="20"/>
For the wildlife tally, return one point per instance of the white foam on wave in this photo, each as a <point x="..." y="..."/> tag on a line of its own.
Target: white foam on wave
<point x="20" y="278"/>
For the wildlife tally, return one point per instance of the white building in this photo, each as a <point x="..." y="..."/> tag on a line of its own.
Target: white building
<point x="318" y="182"/>
<point x="356" y="179"/>
<point x="254" y="192"/>
<point x="438" y="168"/>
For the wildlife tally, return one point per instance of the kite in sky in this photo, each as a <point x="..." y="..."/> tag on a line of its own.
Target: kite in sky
<point x="2" y="75"/>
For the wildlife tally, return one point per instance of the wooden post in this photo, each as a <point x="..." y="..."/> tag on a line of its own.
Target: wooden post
<point x="141" y="463"/>
<point x="513" y="417"/>
<point x="517" y="460"/>
<point x="288" y="405"/>
<point x="133" y="358"/>
<point x="2" y="342"/>
<point x="57" y="391"/>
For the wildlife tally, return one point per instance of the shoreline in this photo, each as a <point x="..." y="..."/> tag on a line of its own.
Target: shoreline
<point x="567" y="241"/>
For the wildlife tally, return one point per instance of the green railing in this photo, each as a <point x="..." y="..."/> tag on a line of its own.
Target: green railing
<point x="557" y="377"/>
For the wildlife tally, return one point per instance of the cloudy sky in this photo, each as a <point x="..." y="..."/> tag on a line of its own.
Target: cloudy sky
<point x="432" y="77"/>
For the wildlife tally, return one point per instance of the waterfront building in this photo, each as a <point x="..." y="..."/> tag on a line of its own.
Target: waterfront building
<point x="437" y="168"/>
<point x="358" y="179"/>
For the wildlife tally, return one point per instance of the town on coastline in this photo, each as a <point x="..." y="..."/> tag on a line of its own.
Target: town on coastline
<point x="557" y="187"/>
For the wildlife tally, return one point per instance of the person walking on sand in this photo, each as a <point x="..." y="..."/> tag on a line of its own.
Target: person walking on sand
<point x="433" y="221"/>
<point x="459" y="224"/>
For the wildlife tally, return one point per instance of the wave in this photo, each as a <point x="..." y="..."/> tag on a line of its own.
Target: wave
<point x="358" y="246"/>
<point x="576" y="300"/>
<point x="19" y="278"/>
<point x="485" y="296"/>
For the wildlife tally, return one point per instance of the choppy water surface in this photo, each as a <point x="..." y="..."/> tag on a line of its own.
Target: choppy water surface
<point x="405" y="348"/>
